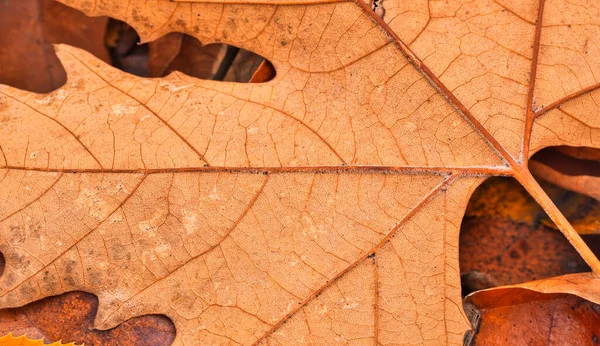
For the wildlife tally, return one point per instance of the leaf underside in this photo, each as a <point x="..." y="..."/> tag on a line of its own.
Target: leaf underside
<point x="321" y="207"/>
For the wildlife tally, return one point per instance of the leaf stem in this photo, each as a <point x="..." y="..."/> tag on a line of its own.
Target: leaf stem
<point x="536" y="191"/>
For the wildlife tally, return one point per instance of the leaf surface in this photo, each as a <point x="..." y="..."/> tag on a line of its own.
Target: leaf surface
<point x="10" y="340"/>
<point x="321" y="207"/>
<point x="522" y="316"/>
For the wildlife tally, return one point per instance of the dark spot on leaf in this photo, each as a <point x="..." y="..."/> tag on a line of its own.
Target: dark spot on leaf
<point x="2" y="263"/>
<point x="515" y="254"/>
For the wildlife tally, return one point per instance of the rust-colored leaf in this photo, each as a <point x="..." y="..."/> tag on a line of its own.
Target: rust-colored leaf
<point x="506" y="238"/>
<point x="264" y="73"/>
<point x="553" y="311"/>
<point x="10" y="340"/>
<point x="510" y="253"/>
<point x="522" y="317"/>
<point x="320" y="207"/>
<point x="70" y="317"/>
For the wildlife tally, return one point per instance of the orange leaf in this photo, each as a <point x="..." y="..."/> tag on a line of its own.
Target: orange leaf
<point x="10" y="340"/>
<point x="320" y="207"/>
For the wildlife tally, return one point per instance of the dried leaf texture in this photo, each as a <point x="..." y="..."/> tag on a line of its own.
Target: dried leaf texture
<point x="584" y="285"/>
<point x="326" y="106"/>
<point x="193" y="245"/>
<point x="321" y="207"/>
<point x="524" y="317"/>
<point x="10" y="340"/>
<point x="481" y="50"/>
<point x="574" y="123"/>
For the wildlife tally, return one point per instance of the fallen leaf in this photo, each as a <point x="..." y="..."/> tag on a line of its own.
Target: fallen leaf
<point x="570" y="168"/>
<point x="540" y="312"/>
<point x="172" y="52"/>
<point x="10" y="340"/>
<point x="244" y="67"/>
<point x="511" y="253"/>
<point x="163" y="52"/>
<point x="523" y="317"/>
<point x="584" y="285"/>
<point x="506" y="238"/>
<point x="264" y="73"/>
<point x="29" y="28"/>
<point x="320" y="207"/>
<point x="70" y="316"/>
<point x="191" y="58"/>
<point x="582" y="211"/>
<point x="504" y="198"/>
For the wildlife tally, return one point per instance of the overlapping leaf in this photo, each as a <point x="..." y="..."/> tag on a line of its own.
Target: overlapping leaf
<point x="321" y="207"/>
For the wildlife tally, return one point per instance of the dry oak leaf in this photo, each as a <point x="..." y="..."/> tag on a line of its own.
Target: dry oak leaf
<point x="520" y="313"/>
<point x="584" y="285"/>
<point x="10" y="340"/>
<point x="322" y="207"/>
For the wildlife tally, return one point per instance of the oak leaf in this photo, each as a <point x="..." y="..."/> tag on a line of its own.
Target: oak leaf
<point x="538" y="312"/>
<point x="320" y="207"/>
<point x="10" y="340"/>
<point x="29" y="30"/>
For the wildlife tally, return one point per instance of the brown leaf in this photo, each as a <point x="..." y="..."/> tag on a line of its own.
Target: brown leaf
<point x="506" y="238"/>
<point x="193" y="58"/>
<point x="545" y="308"/>
<point x="172" y="52"/>
<point x="70" y="317"/>
<point x="522" y="317"/>
<point x="162" y="52"/>
<point x="264" y="73"/>
<point x="577" y="170"/>
<point x="10" y="340"/>
<point x="504" y="198"/>
<point x="570" y="168"/>
<point x="244" y="67"/>
<point x="585" y="285"/>
<point x="321" y="207"/>
<point x="511" y="253"/>
<point x="27" y="58"/>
